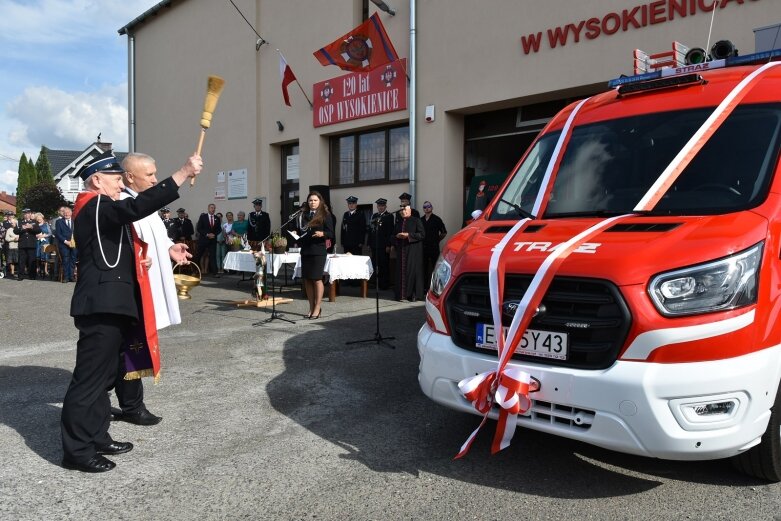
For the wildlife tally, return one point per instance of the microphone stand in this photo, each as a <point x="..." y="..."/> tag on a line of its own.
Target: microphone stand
<point x="274" y="314"/>
<point x="377" y="338"/>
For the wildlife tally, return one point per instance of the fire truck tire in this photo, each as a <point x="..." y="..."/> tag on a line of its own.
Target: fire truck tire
<point x="764" y="460"/>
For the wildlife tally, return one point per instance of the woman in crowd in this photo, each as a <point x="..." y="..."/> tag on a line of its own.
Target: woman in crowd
<point x="240" y="225"/>
<point x="43" y="239"/>
<point x="223" y="238"/>
<point x="316" y="228"/>
<point x="409" y="234"/>
<point x="12" y="240"/>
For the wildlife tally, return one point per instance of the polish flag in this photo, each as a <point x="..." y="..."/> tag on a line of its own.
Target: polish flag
<point x="286" y="73"/>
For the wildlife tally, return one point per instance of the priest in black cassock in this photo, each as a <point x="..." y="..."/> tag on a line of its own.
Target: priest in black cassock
<point x="409" y="234"/>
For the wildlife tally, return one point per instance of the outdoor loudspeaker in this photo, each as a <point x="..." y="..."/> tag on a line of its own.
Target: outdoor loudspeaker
<point x="723" y="49"/>
<point x="696" y="55"/>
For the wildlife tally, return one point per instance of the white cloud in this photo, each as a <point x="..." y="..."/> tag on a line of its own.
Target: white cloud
<point x="65" y="21"/>
<point x="70" y="120"/>
<point x="8" y="181"/>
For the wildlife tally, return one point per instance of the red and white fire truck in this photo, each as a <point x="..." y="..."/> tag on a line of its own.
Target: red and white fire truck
<point x="641" y="236"/>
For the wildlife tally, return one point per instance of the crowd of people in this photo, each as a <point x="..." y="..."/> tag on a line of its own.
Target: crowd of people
<point x="24" y="243"/>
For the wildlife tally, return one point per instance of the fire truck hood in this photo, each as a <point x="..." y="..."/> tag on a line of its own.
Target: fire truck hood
<point x="629" y="251"/>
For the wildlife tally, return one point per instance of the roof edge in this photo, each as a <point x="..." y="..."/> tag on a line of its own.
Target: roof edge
<point x="146" y="14"/>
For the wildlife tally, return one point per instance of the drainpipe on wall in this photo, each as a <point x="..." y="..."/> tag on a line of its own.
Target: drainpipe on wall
<point x="413" y="117"/>
<point x="131" y="92"/>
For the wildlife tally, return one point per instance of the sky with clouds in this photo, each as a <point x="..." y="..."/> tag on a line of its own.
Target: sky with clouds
<point x="64" y="71"/>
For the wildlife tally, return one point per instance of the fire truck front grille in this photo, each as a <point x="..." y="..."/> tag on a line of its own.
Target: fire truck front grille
<point x="591" y="312"/>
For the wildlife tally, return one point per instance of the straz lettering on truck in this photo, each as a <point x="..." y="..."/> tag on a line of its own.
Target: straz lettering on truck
<point x="586" y="247"/>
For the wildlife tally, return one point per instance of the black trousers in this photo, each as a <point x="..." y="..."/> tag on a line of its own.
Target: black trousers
<point x="381" y="261"/>
<point x="130" y="393"/>
<point x="27" y="263"/>
<point x="211" y="247"/>
<point x="86" y="407"/>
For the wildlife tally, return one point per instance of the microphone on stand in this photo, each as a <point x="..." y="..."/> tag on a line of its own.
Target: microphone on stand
<point x="294" y="214"/>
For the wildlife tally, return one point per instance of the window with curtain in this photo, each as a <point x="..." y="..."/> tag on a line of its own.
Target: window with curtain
<point x="370" y="157"/>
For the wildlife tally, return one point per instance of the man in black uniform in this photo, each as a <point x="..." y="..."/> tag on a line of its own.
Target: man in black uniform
<point x="259" y="222"/>
<point x="104" y="305"/>
<point x="353" y="228"/>
<point x="380" y="240"/>
<point x="171" y="226"/>
<point x="27" y="229"/>
<point x="185" y="225"/>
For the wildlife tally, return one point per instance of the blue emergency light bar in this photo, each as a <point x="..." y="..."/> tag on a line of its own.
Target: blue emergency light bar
<point x="733" y="61"/>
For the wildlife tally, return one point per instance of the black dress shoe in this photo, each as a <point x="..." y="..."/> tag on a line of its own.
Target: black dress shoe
<point x="142" y="417"/>
<point x="96" y="463"/>
<point x="115" y="447"/>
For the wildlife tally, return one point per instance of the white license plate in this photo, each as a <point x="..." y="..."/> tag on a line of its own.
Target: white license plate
<point x="545" y="344"/>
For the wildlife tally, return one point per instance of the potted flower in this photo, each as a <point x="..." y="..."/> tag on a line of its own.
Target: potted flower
<point x="234" y="242"/>
<point x="278" y="243"/>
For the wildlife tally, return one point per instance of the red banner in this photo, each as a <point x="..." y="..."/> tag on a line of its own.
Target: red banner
<point x="361" y="94"/>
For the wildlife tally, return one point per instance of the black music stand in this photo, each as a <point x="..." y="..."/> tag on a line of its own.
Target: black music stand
<point x="274" y="314"/>
<point x="377" y="338"/>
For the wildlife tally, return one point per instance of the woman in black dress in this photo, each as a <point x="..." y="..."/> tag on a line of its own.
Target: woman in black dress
<point x="316" y="228"/>
<point x="409" y="234"/>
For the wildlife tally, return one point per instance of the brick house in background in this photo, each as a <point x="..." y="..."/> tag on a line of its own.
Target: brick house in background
<point x="7" y="202"/>
<point x="66" y="163"/>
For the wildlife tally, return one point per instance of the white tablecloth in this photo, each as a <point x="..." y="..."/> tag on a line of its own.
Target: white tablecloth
<point x="341" y="267"/>
<point x="280" y="259"/>
<point x="245" y="261"/>
<point x="239" y="261"/>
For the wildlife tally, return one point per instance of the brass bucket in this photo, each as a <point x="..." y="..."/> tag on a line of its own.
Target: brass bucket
<point x="185" y="282"/>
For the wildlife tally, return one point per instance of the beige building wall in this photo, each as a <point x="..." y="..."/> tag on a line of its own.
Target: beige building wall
<point x="175" y="52"/>
<point x="470" y="60"/>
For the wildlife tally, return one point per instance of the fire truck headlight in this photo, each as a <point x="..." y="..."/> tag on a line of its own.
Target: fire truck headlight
<point x="440" y="277"/>
<point x="720" y="285"/>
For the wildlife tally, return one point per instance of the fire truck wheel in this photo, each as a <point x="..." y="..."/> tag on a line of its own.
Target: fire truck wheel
<point x="764" y="460"/>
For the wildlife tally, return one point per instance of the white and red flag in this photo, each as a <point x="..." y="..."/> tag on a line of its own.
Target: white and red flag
<point x="286" y="73"/>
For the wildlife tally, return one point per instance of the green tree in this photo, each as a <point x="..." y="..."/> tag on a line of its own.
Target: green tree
<point x="43" y="167"/>
<point x="23" y="178"/>
<point x="44" y="197"/>
<point x="33" y="173"/>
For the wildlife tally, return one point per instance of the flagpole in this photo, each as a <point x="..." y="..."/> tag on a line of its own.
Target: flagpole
<point x="304" y="93"/>
<point x="297" y="82"/>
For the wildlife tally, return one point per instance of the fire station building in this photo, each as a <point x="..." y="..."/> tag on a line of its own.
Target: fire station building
<point x="474" y="84"/>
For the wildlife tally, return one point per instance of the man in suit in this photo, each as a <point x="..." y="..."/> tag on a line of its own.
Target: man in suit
<point x="259" y="222"/>
<point x="27" y="229"/>
<point x="208" y="227"/>
<point x="185" y="225"/>
<point x="353" y="228"/>
<point x="63" y="232"/>
<point x="104" y="305"/>
<point x="380" y="240"/>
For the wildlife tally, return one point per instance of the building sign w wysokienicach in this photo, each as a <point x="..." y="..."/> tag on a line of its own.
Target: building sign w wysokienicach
<point x="361" y="94"/>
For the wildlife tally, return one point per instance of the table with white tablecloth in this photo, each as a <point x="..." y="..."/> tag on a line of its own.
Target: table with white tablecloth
<point x="240" y="261"/>
<point x="344" y="267"/>
<point x="245" y="261"/>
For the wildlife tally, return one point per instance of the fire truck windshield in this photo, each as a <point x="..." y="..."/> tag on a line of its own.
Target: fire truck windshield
<point x="608" y="166"/>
